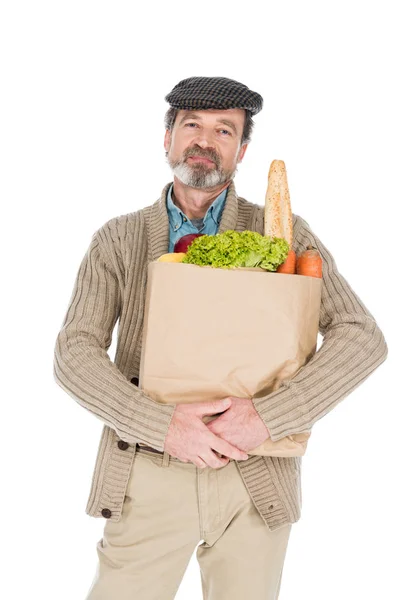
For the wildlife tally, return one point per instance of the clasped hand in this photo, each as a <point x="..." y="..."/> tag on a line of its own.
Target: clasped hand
<point x="237" y="429"/>
<point x="240" y="425"/>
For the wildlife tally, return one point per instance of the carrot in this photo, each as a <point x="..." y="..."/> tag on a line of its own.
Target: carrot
<point x="309" y="263"/>
<point x="289" y="266"/>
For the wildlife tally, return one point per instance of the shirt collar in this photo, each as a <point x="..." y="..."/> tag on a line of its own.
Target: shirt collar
<point x="214" y="211"/>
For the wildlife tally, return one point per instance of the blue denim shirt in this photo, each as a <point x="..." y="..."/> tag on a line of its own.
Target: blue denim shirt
<point x="180" y="224"/>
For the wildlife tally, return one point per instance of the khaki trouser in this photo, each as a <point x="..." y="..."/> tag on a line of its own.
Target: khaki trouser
<point x="170" y="506"/>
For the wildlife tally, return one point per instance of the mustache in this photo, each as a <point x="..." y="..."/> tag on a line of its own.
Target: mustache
<point x="210" y="155"/>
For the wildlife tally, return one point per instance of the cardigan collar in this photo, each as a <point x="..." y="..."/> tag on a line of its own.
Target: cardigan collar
<point x="158" y="223"/>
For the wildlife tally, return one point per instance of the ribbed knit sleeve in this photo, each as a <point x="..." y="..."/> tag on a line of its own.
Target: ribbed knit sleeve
<point x="353" y="347"/>
<point x="82" y="366"/>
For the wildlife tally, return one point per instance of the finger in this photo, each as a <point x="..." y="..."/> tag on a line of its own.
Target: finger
<point x="227" y="449"/>
<point x="211" y="408"/>
<point x="211" y="427"/>
<point x="199" y="462"/>
<point x="222" y="457"/>
<point x="213" y="460"/>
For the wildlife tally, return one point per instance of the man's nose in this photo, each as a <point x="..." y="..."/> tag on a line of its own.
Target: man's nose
<point x="206" y="147"/>
<point x="203" y="143"/>
<point x="204" y="140"/>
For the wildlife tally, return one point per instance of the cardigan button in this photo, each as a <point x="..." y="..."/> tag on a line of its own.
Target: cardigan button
<point x="122" y="445"/>
<point x="106" y="512"/>
<point x="270" y="507"/>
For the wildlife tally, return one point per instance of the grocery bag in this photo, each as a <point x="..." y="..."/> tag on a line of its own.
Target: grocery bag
<point x="210" y="333"/>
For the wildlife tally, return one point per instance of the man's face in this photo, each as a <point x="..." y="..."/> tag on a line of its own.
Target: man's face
<point x="203" y="148"/>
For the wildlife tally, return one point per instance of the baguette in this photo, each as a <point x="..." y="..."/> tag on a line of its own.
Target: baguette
<point x="278" y="221"/>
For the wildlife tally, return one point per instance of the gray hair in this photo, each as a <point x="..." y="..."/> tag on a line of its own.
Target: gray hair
<point x="170" y="117"/>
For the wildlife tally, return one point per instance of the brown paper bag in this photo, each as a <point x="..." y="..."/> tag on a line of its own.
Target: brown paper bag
<point x="211" y="333"/>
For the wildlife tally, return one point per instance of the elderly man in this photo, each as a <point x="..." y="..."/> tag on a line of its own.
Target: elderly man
<point x="164" y="479"/>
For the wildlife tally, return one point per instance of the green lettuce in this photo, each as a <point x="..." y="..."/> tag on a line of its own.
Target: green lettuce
<point x="237" y="249"/>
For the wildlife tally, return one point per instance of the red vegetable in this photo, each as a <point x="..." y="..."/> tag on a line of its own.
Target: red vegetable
<point x="184" y="242"/>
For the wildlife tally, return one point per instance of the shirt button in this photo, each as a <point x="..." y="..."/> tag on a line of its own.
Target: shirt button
<point x="185" y="219"/>
<point x="106" y="512"/>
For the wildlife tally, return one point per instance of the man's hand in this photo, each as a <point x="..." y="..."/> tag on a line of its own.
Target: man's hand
<point x="189" y="439"/>
<point x="240" y="425"/>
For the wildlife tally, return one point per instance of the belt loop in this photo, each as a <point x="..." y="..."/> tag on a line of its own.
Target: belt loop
<point x="165" y="459"/>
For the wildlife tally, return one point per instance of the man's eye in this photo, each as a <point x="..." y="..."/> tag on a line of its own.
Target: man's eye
<point x="195" y="124"/>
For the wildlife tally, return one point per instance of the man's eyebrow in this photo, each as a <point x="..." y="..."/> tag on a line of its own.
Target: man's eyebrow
<point x="193" y="115"/>
<point x="229" y="123"/>
<point x="189" y="115"/>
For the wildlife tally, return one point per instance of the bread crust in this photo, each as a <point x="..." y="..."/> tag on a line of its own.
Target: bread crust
<point x="278" y="220"/>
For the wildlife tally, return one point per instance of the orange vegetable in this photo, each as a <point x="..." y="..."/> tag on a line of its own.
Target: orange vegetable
<point x="309" y="263"/>
<point x="289" y="266"/>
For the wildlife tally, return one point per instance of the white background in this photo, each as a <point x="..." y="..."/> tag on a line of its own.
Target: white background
<point x="82" y="110"/>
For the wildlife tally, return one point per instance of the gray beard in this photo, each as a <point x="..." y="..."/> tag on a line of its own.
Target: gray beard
<point x="199" y="176"/>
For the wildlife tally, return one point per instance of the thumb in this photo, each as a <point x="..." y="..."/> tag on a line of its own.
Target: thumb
<point x="215" y="406"/>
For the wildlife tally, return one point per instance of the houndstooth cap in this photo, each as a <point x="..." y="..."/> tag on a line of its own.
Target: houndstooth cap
<point x="199" y="93"/>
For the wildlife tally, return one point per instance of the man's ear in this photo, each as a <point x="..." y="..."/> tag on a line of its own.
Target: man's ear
<point x="167" y="140"/>
<point x="242" y="152"/>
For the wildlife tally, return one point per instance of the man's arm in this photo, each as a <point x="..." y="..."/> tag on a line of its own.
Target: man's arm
<point x="82" y="366"/>
<point x="353" y="347"/>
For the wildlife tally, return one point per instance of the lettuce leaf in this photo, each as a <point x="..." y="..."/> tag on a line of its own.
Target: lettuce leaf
<point x="237" y="249"/>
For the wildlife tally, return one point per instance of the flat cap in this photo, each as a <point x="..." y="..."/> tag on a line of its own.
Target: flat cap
<point x="199" y="93"/>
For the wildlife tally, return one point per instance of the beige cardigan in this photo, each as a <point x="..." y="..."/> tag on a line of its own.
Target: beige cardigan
<point x="110" y="285"/>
